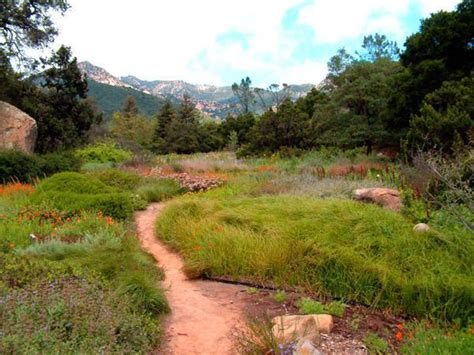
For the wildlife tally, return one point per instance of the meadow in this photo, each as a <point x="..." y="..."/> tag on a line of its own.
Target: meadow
<point x="73" y="276"/>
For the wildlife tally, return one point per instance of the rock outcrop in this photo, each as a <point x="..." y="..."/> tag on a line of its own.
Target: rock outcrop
<point x="17" y="129"/>
<point x="387" y="198"/>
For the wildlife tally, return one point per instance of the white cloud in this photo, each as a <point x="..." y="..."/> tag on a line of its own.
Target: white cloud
<point x="430" y="6"/>
<point x="179" y="39"/>
<point x="337" y="20"/>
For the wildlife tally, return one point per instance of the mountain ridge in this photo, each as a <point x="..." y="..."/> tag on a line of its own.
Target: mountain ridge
<point x="215" y="101"/>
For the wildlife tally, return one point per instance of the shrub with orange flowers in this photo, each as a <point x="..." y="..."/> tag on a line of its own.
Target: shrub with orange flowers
<point x="14" y="187"/>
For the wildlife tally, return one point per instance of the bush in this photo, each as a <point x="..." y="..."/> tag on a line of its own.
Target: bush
<point x="120" y="179"/>
<point x="159" y="190"/>
<point x="75" y="192"/>
<point x="103" y="153"/>
<point x="19" y="166"/>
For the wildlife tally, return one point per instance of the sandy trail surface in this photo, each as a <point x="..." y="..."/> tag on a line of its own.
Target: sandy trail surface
<point x="204" y="314"/>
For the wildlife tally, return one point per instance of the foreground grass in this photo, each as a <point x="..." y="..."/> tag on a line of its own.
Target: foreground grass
<point x="82" y="283"/>
<point x="338" y="248"/>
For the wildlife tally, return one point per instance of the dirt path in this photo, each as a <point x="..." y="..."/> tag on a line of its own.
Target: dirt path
<point x="204" y="314"/>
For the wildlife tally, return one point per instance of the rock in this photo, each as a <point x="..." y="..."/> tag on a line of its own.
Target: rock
<point x="306" y="347"/>
<point x="421" y="227"/>
<point x="387" y="198"/>
<point x="293" y="327"/>
<point x="17" y="129"/>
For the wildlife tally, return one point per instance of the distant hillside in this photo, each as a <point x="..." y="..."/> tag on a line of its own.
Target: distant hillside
<point x="110" y="98"/>
<point x="216" y="101"/>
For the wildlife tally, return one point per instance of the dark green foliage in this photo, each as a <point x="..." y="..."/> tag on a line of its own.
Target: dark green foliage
<point x="19" y="166"/>
<point x="355" y="114"/>
<point x="441" y="51"/>
<point x="445" y="114"/>
<point x="27" y="24"/>
<point x="165" y="116"/>
<point x="122" y="180"/>
<point x="110" y="98"/>
<point x="378" y="46"/>
<point x="64" y="117"/>
<point x="244" y="93"/>
<point x="285" y="128"/>
<point x="241" y="125"/>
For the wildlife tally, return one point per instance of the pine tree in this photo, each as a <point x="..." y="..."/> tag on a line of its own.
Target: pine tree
<point x="129" y="107"/>
<point x="164" y="118"/>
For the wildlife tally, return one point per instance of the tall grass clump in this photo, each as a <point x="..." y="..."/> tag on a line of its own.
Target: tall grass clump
<point x="155" y="190"/>
<point x="338" y="248"/>
<point x="76" y="192"/>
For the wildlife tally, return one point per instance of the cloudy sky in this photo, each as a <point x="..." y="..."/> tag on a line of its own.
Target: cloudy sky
<point x="220" y="41"/>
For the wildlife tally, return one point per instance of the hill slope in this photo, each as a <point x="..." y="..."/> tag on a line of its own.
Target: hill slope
<point x="110" y="98"/>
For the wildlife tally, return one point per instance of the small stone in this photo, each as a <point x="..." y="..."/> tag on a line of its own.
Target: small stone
<point x="306" y="347"/>
<point x="421" y="227"/>
<point x="296" y="327"/>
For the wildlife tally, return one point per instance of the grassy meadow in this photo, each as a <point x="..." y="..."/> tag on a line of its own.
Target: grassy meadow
<point x="73" y="276"/>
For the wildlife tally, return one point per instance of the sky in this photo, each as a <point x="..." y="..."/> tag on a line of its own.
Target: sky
<point x="219" y="42"/>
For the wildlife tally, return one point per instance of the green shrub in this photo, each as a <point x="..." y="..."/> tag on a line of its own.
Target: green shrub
<point x="336" y="308"/>
<point x="159" y="190"/>
<point x="20" y="166"/>
<point x="280" y="296"/>
<point x="308" y="306"/>
<point x="103" y="153"/>
<point x="53" y="163"/>
<point x="120" y="179"/>
<point x="17" y="165"/>
<point x="76" y="192"/>
<point x="375" y="344"/>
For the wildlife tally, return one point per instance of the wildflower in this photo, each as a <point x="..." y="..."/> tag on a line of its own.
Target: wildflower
<point x="399" y="336"/>
<point x="109" y="220"/>
<point x="410" y="335"/>
<point x="12" y="245"/>
<point x="400" y="326"/>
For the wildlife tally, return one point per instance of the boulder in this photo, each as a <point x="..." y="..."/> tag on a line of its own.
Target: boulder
<point x="289" y="328"/>
<point x="421" y="227"/>
<point x="387" y="198"/>
<point x="17" y="129"/>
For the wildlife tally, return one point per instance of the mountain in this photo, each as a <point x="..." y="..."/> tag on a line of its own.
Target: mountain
<point x="110" y="98"/>
<point x="216" y="101"/>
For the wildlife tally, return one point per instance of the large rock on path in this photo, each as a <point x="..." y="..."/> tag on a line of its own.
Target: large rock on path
<point x="387" y="198"/>
<point x="17" y="129"/>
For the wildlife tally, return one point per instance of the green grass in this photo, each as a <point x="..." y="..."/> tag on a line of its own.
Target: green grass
<point x="338" y="248"/>
<point x="156" y="190"/>
<point x="86" y="287"/>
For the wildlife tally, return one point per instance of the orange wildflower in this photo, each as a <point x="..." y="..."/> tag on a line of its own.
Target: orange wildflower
<point x="399" y="336"/>
<point x="400" y="326"/>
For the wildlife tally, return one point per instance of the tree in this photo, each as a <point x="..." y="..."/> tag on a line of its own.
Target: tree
<point x="278" y="94"/>
<point x="163" y="121"/>
<point x="129" y="107"/>
<point x="378" y="46"/>
<point x="336" y="66"/>
<point x="446" y="116"/>
<point x="130" y="130"/>
<point x="182" y="135"/>
<point x="309" y="103"/>
<point x="441" y="51"/>
<point x="241" y="125"/>
<point x="355" y="115"/>
<point x="63" y="114"/>
<point x="244" y="94"/>
<point x="26" y="24"/>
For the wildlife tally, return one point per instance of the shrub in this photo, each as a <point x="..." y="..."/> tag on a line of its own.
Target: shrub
<point x="19" y="166"/>
<point x="375" y="344"/>
<point x="159" y="190"/>
<point x="16" y="165"/>
<point x="75" y="192"/>
<point x="120" y="179"/>
<point x="103" y="153"/>
<point x="308" y="306"/>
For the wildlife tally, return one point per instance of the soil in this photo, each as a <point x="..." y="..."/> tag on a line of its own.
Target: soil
<point x="207" y="316"/>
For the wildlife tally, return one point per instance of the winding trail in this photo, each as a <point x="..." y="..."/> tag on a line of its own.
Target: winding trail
<point x="204" y="314"/>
